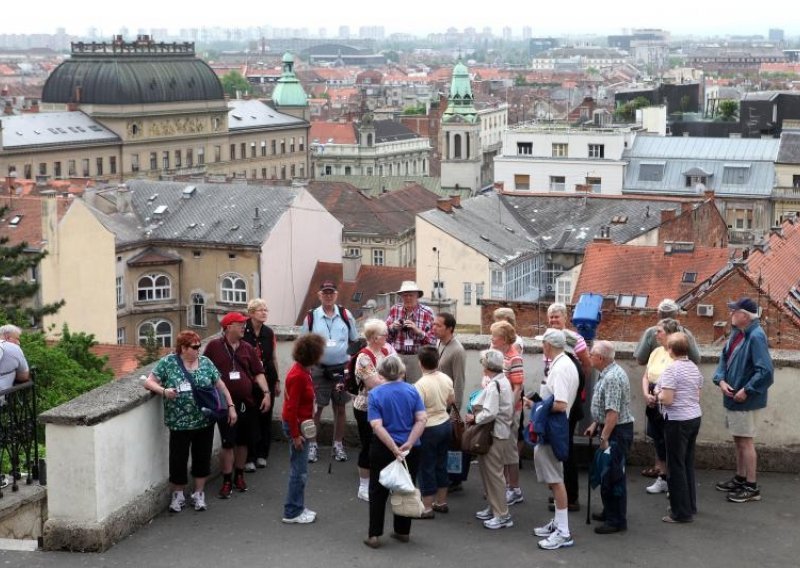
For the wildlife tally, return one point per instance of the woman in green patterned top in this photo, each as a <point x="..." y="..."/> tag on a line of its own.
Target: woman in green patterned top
<point x="189" y="428"/>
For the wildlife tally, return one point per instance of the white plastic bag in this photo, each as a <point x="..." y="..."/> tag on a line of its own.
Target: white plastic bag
<point x="396" y="478"/>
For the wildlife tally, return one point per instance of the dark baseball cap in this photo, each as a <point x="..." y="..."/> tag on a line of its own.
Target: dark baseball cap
<point x="745" y="304"/>
<point x="328" y="285"/>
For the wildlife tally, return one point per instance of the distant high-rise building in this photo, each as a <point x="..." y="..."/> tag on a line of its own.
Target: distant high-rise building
<point x="344" y="32"/>
<point x="506" y="34"/>
<point x="322" y="33"/>
<point x="527" y="33"/>
<point x="776" y="35"/>
<point x="487" y="31"/>
<point x="371" y="32"/>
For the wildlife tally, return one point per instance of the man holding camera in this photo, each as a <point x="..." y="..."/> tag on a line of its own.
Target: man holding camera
<point x="337" y="326"/>
<point x="410" y="327"/>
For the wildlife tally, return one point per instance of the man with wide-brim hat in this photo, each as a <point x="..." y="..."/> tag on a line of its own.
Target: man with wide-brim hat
<point x="410" y="327"/>
<point x="647" y="343"/>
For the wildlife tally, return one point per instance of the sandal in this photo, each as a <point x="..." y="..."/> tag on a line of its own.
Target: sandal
<point x="440" y="507"/>
<point x="651" y="471"/>
<point x="429" y="514"/>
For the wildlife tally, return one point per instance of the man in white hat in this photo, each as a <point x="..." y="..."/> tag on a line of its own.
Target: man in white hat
<point x="410" y="327"/>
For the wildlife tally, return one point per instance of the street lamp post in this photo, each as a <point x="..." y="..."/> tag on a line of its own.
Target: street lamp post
<point x="438" y="274"/>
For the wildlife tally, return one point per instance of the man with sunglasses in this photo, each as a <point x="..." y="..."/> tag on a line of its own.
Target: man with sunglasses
<point x="241" y="370"/>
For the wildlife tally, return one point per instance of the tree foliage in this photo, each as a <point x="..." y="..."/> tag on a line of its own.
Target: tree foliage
<point x="627" y="111"/>
<point x="728" y="109"/>
<point x="152" y="352"/>
<point x="17" y="287"/>
<point x="233" y="82"/>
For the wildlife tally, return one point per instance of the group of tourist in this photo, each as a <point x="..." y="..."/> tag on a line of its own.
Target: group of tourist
<point x="407" y="384"/>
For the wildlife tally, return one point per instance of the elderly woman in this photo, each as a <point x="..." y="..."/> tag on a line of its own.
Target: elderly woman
<point x="678" y="392"/>
<point x="495" y="404"/>
<point x="298" y="407"/>
<point x="437" y="392"/>
<point x="367" y="378"/>
<point x="262" y="338"/>
<point x="504" y="339"/>
<point x="659" y="360"/>
<point x="397" y="416"/>
<point x="173" y="378"/>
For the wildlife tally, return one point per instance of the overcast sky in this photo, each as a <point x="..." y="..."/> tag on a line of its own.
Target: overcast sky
<point x="418" y="17"/>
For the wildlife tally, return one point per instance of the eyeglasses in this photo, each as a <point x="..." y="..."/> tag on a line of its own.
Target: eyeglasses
<point x="195" y="347"/>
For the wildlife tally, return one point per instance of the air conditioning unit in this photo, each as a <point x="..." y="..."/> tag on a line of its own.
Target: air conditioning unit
<point x="706" y="310"/>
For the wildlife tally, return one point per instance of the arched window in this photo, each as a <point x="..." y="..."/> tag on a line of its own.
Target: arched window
<point x="234" y="289"/>
<point x="153" y="287"/>
<point x="457" y="146"/>
<point x="161" y="331"/>
<point x="197" y="311"/>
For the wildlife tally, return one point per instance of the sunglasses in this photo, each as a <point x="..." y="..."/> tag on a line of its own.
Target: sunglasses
<point x="195" y="347"/>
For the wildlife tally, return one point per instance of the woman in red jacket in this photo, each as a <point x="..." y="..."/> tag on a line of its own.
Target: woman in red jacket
<point x="298" y="406"/>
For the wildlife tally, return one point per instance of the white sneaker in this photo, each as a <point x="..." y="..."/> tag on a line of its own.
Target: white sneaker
<point x="499" y="523"/>
<point x="363" y="493"/>
<point x="178" y="502"/>
<point x="310" y="513"/>
<point x="659" y="486"/>
<point x="249" y="467"/>
<point x="547" y="529"/>
<point x="302" y="519"/>
<point x="485" y="514"/>
<point x="556" y="540"/>
<point x="261" y="463"/>
<point x="199" y="501"/>
<point x="313" y="453"/>
<point x="339" y="454"/>
<point x="514" y="496"/>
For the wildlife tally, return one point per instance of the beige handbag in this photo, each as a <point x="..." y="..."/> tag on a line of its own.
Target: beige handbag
<point x="407" y="504"/>
<point x="308" y="428"/>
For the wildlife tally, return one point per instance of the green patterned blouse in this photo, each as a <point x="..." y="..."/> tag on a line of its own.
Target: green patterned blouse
<point x="182" y="413"/>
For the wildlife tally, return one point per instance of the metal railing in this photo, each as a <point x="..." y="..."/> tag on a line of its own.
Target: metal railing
<point x="19" y="439"/>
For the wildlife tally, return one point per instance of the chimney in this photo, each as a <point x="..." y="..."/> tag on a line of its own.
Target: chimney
<point x="8" y="110"/>
<point x="351" y="264"/>
<point x="444" y="204"/>
<point x="455" y="201"/>
<point x="124" y="199"/>
<point x="604" y="236"/>
<point x="34" y="106"/>
<point x="667" y="215"/>
<point x="499" y="186"/>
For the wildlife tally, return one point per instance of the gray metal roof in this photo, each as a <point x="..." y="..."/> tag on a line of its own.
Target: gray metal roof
<point x="789" y="152"/>
<point x="243" y="115"/>
<point x="52" y="128"/>
<point x="374" y="185"/>
<point x="213" y="214"/>
<point x="567" y="223"/>
<point x="721" y="158"/>
<point x="485" y="225"/>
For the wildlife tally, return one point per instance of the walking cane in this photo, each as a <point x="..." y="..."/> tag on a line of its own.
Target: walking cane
<point x="589" y="483"/>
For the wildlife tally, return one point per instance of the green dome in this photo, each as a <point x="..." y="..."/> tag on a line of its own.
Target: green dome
<point x="289" y="91"/>
<point x="460" y="101"/>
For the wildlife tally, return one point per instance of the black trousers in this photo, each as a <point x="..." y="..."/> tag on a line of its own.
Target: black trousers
<point x="364" y="436"/>
<point x="680" y="437"/>
<point x="380" y="457"/>
<point x="571" y="465"/>
<point x="181" y="442"/>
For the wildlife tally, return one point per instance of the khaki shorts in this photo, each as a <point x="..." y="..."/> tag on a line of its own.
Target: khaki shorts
<point x="548" y="468"/>
<point x="741" y="423"/>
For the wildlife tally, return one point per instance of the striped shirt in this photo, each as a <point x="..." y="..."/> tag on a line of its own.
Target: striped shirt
<point x="514" y="372"/>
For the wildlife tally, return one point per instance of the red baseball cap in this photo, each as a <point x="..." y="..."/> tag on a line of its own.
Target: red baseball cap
<point x="232" y="317"/>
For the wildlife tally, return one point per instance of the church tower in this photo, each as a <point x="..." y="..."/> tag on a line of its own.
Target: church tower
<point x="461" y="145"/>
<point x="289" y="96"/>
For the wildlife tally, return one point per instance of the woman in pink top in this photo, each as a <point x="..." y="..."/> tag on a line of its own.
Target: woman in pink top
<point x="678" y="392"/>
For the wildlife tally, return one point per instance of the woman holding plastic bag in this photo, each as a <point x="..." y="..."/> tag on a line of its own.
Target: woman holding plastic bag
<point x="397" y="416"/>
<point x="495" y="405"/>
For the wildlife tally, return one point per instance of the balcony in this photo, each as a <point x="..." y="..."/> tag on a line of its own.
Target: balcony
<point x="743" y="236"/>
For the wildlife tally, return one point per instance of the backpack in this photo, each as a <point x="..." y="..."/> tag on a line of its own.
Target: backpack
<point x="350" y="382"/>
<point x="342" y="313"/>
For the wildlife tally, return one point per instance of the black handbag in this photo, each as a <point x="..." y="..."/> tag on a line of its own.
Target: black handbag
<point x="208" y="399"/>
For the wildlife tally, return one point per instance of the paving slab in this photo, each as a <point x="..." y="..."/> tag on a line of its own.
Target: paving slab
<point x="247" y="530"/>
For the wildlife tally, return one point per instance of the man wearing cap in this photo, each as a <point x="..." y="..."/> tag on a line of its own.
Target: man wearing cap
<point x="242" y="372"/>
<point x="744" y="374"/>
<point x="562" y="385"/>
<point x="666" y="309"/>
<point x="410" y="327"/>
<point x="336" y="325"/>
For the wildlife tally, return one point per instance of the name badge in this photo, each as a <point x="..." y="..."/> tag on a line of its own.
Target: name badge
<point x="331" y="343"/>
<point x="184" y="386"/>
<point x="408" y="343"/>
<point x="234" y="375"/>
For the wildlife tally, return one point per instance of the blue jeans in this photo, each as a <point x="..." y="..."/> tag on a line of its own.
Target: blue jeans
<point x="615" y="497"/>
<point x="298" y="478"/>
<point x="433" y="458"/>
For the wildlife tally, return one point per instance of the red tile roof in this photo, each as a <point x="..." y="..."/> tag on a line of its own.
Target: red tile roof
<point x="777" y="268"/>
<point x="121" y="358"/>
<point x="611" y="269"/>
<point x="29" y="227"/>
<point x="337" y="132"/>
<point x="370" y="281"/>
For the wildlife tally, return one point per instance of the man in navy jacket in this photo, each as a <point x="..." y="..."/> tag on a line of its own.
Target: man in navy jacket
<point x="744" y="375"/>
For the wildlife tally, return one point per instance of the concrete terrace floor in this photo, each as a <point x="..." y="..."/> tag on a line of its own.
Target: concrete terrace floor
<point x="247" y="530"/>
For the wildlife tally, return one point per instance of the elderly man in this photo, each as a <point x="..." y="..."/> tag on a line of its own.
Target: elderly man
<point x="666" y="309"/>
<point x="744" y="375"/>
<point x="562" y="384"/>
<point x="242" y="371"/>
<point x="410" y="327"/>
<point x="13" y="365"/>
<point x="336" y="324"/>
<point x="611" y="415"/>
